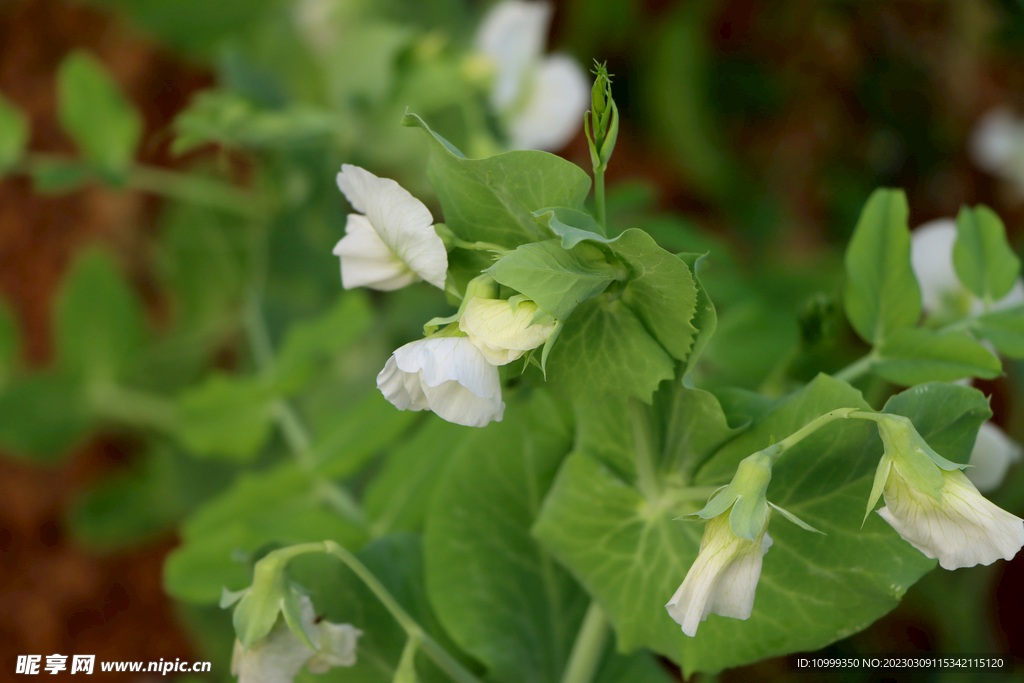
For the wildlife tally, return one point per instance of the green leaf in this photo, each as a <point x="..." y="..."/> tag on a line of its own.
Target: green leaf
<point x="557" y="279"/>
<point x="307" y="343"/>
<point x="984" y="260"/>
<point x="399" y="495"/>
<point x="947" y="416"/>
<point x="43" y="416"/>
<point x="496" y="591"/>
<point x="882" y="295"/>
<point x="100" y="326"/>
<point x="572" y="226"/>
<point x="705" y="318"/>
<point x="661" y="291"/>
<point x="493" y="199"/>
<point x="95" y="113"/>
<point x="225" y="416"/>
<point x="631" y="554"/>
<point x="604" y="349"/>
<point x="13" y="134"/>
<point x="220" y="541"/>
<point x="1005" y="329"/>
<point x="358" y="434"/>
<point x="917" y="355"/>
<point x="10" y="344"/>
<point x="694" y="426"/>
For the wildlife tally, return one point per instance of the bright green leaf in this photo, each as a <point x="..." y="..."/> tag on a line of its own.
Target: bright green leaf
<point x="983" y="258"/>
<point x="308" y="342"/>
<point x="661" y="291"/>
<point x="557" y="279"/>
<point x="358" y="434"/>
<point x="496" y="591"/>
<point x="882" y="295"/>
<point x="917" y="355"/>
<point x="225" y="416"/>
<point x="493" y="199"/>
<point x="1005" y="329"/>
<point x="400" y="494"/>
<point x="604" y="349"/>
<point x="13" y="134"/>
<point x="100" y="328"/>
<point x="95" y="113"/>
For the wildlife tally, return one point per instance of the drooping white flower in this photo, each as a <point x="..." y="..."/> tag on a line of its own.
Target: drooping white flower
<point x="280" y="656"/>
<point x="391" y="242"/>
<point x="997" y="146"/>
<point x="542" y="99"/>
<point x="448" y="375"/>
<point x="962" y="529"/>
<point x="932" y="504"/>
<point x="501" y="334"/>
<point x="931" y="257"/>
<point x="993" y="454"/>
<point x="723" y="578"/>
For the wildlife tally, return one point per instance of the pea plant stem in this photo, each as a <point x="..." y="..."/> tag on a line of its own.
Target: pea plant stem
<point x="451" y="666"/>
<point x="588" y="648"/>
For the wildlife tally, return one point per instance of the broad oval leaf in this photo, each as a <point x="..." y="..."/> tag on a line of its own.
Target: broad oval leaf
<point x="918" y="355"/>
<point x="882" y="294"/>
<point x="982" y="257"/>
<point x="493" y="199"/>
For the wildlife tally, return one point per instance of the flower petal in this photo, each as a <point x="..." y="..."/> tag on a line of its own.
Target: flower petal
<point x="402" y="222"/>
<point x="513" y="35"/>
<point x="553" y="111"/>
<point x="723" y="579"/>
<point x="366" y="261"/>
<point x="501" y="335"/>
<point x="993" y="454"/>
<point x="449" y="376"/>
<point x="964" y="529"/>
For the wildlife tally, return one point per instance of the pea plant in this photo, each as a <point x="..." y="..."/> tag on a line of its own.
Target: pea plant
<point x="545" y="482"/>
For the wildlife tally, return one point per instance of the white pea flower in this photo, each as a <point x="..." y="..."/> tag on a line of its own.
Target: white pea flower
<point x="997" y="146"/>
<point x="962" y="529"/>
<point x="723" y="578"/>
<point x="931" y="257"/>
<point x="542" y="98"/>
<point x="448" y="375"/>
<point x="280" y="656"/>
<point x="501" y="334"/>
<point x="993" y="454"/>
<point x="932" y="504"/>
<point x="391" y="242"/>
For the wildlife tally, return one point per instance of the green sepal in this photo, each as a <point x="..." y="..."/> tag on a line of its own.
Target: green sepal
<point x="228" y="598"/>
<point x="745" y="494"/>
<point x="405" y="672"/>
<point x="796" y="520"/>
<point x="291" y="610"/>
<point x="547" y="346"/>
<point x="256" y="612"/>
<point x="878" y="485"/>
<point x="912" y="457"/>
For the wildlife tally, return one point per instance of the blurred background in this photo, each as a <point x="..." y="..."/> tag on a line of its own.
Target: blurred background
<point x="751" y="130"/>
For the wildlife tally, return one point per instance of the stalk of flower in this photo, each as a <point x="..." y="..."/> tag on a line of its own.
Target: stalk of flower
<point x="541" y="98"/>
<point x="504" y="330"/>
<point x="723" y="579"/>
<point x="391" y="242"/>
<point x="932" y="504"/>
